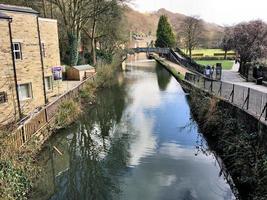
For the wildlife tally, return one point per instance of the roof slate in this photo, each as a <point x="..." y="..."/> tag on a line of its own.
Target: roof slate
<point x="4" y="16"/>
<point x="17" y="9"/>
<point x="83" y="67"/>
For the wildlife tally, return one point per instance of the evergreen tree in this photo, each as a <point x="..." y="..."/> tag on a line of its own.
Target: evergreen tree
<point x="165" y="35"/>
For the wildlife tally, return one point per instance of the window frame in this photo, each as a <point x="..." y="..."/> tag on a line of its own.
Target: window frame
<point x="19" y="50"/>
<point x="51" y="83"/>
<point x="43" y="49"/>
<point x="30" y="91"/>
<point x="3" y="97"/>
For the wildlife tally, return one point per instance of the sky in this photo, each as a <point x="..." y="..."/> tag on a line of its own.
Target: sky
<point x="222" y="12"/>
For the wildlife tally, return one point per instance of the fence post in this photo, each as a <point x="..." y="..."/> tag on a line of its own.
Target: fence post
<point x="220" y="91"/>
<point x="204" y="83"/>
<point x="23" y="134"/>
<point x="233" y="93"/>
<point x="248" y="98"/>
<point x="211" y="86"/>
<point x="266" y="111"/>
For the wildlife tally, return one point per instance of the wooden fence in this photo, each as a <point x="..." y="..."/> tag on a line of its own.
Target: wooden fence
<point x="252" y="101"/>
<point x="30" y="127"/>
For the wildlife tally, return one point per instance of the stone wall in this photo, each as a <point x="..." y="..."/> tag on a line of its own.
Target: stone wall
<point x="24" y="28"/>
<point x="8" y="110"/>
<point x="51" y="58"/>
<point x="29" y="68"/>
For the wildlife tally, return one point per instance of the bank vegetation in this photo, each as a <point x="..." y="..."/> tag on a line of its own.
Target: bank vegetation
<point x="238" y="139"/>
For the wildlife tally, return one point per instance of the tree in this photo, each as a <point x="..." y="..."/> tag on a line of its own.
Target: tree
<point x="249" y="41"/>
<point x="227" y="42"/>
<point x="74" y="14"/>
<point x="103" y="12"/>
<point x="191" y="31"/>
<point x="165" y="35"/>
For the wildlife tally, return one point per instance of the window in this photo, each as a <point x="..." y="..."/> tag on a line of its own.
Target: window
<point x="25" y="91"/>
<point x="43" y="49"/>
<point x="48" y="83"/>
<point x="17" y="51"/>
<point x="3" y="97"/>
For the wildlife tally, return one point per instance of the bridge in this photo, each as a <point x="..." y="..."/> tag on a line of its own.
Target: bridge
<point x="174" y="55"/>
<point x="151" y="50"/>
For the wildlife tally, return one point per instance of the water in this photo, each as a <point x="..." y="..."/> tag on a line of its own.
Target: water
<point x="138" y="143"/>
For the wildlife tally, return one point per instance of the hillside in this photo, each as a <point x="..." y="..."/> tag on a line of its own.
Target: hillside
<point x="145" y="23"/>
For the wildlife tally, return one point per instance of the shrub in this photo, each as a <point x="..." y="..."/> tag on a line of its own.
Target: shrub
<point x="13" y="181"/>
<point x="213" y="58"/>
<point x="105" y="76"/>
<point x="88" y="93"/>
<point x="68" y="111"/>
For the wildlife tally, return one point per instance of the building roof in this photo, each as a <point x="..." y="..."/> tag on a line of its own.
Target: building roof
<point x="17" y="9"/>
<point x="83" y="67"/>
<point x="4" y="16"/>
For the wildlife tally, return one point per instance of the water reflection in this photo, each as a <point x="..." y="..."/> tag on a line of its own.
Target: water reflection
<point x="163" y="76"/>
<point x="131" y="146"/>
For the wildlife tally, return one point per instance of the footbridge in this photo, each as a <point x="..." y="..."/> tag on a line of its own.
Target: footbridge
<point x="151" y="50"/>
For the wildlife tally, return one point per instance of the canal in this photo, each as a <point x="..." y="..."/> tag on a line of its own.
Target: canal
<point x="138" y="143"/>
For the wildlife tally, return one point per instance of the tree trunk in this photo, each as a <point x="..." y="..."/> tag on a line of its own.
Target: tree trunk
<point x="44" y="8"/>
<point x="93" y="43"/>
<point x="93" y="51"/>
<point x="51" y="10"/>
<point x="225" y="55"/>
<point x="190" y="54"/>
<point x="73" y="49"/>
<point x="240" y="66"/>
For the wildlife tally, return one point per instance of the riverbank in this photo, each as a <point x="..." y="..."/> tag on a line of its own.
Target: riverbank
<point x="18" y="167"/>
<point x="239" y="140"/>
<point x="237" y="137"/>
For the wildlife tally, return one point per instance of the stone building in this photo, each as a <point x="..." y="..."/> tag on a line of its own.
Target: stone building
<point x="29" y="49"/>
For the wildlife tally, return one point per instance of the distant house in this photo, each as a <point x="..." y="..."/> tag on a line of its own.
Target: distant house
<point x="29" y="49"/>
<point x="80" y="72"/>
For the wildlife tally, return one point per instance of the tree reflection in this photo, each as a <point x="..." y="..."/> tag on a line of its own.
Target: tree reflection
<point x="163" y="76"/>
<point x="98" y="151"/>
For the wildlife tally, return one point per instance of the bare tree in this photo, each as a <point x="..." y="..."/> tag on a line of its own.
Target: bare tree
<point x="191" y="31"/>
<point x="74" y="15"/>
<point x="250" y="41"/>
<point x="227" y="41"/>
<point x="98" y="9"/>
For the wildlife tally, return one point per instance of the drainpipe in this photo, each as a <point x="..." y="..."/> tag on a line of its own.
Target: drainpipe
<point x="14" y="67"/>
<point x="42" y="61"/>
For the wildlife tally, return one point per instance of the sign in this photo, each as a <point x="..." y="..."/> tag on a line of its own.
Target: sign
<point x="57" y="73"/>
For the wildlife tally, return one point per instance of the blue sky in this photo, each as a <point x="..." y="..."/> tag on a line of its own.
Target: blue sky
<point x="223" y="12"/>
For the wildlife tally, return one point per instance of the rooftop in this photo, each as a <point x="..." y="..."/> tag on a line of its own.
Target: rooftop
<point x="17" y="9"/>
<point x="83" y="67"/>
<point x="4" y="16"/>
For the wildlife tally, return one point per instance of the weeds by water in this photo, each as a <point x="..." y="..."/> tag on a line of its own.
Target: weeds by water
<point x="105" y="78"/>
<point x="237" y="140"/>
<point x="68" y="111"/>
<point x="17" y="169"/>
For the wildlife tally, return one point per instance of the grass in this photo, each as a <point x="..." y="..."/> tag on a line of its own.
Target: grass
<point x="207" y="52"/>
<point x="226" y="64"/>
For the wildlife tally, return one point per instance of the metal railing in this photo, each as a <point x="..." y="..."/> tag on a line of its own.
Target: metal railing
<point x="31" y="126"/>
<point x="151" y="50"/>
<point x="248" y="99"/>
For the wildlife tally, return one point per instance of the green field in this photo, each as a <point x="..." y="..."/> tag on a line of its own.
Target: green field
<point x="226" y="64"/>
<point x="207" y="52"/>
